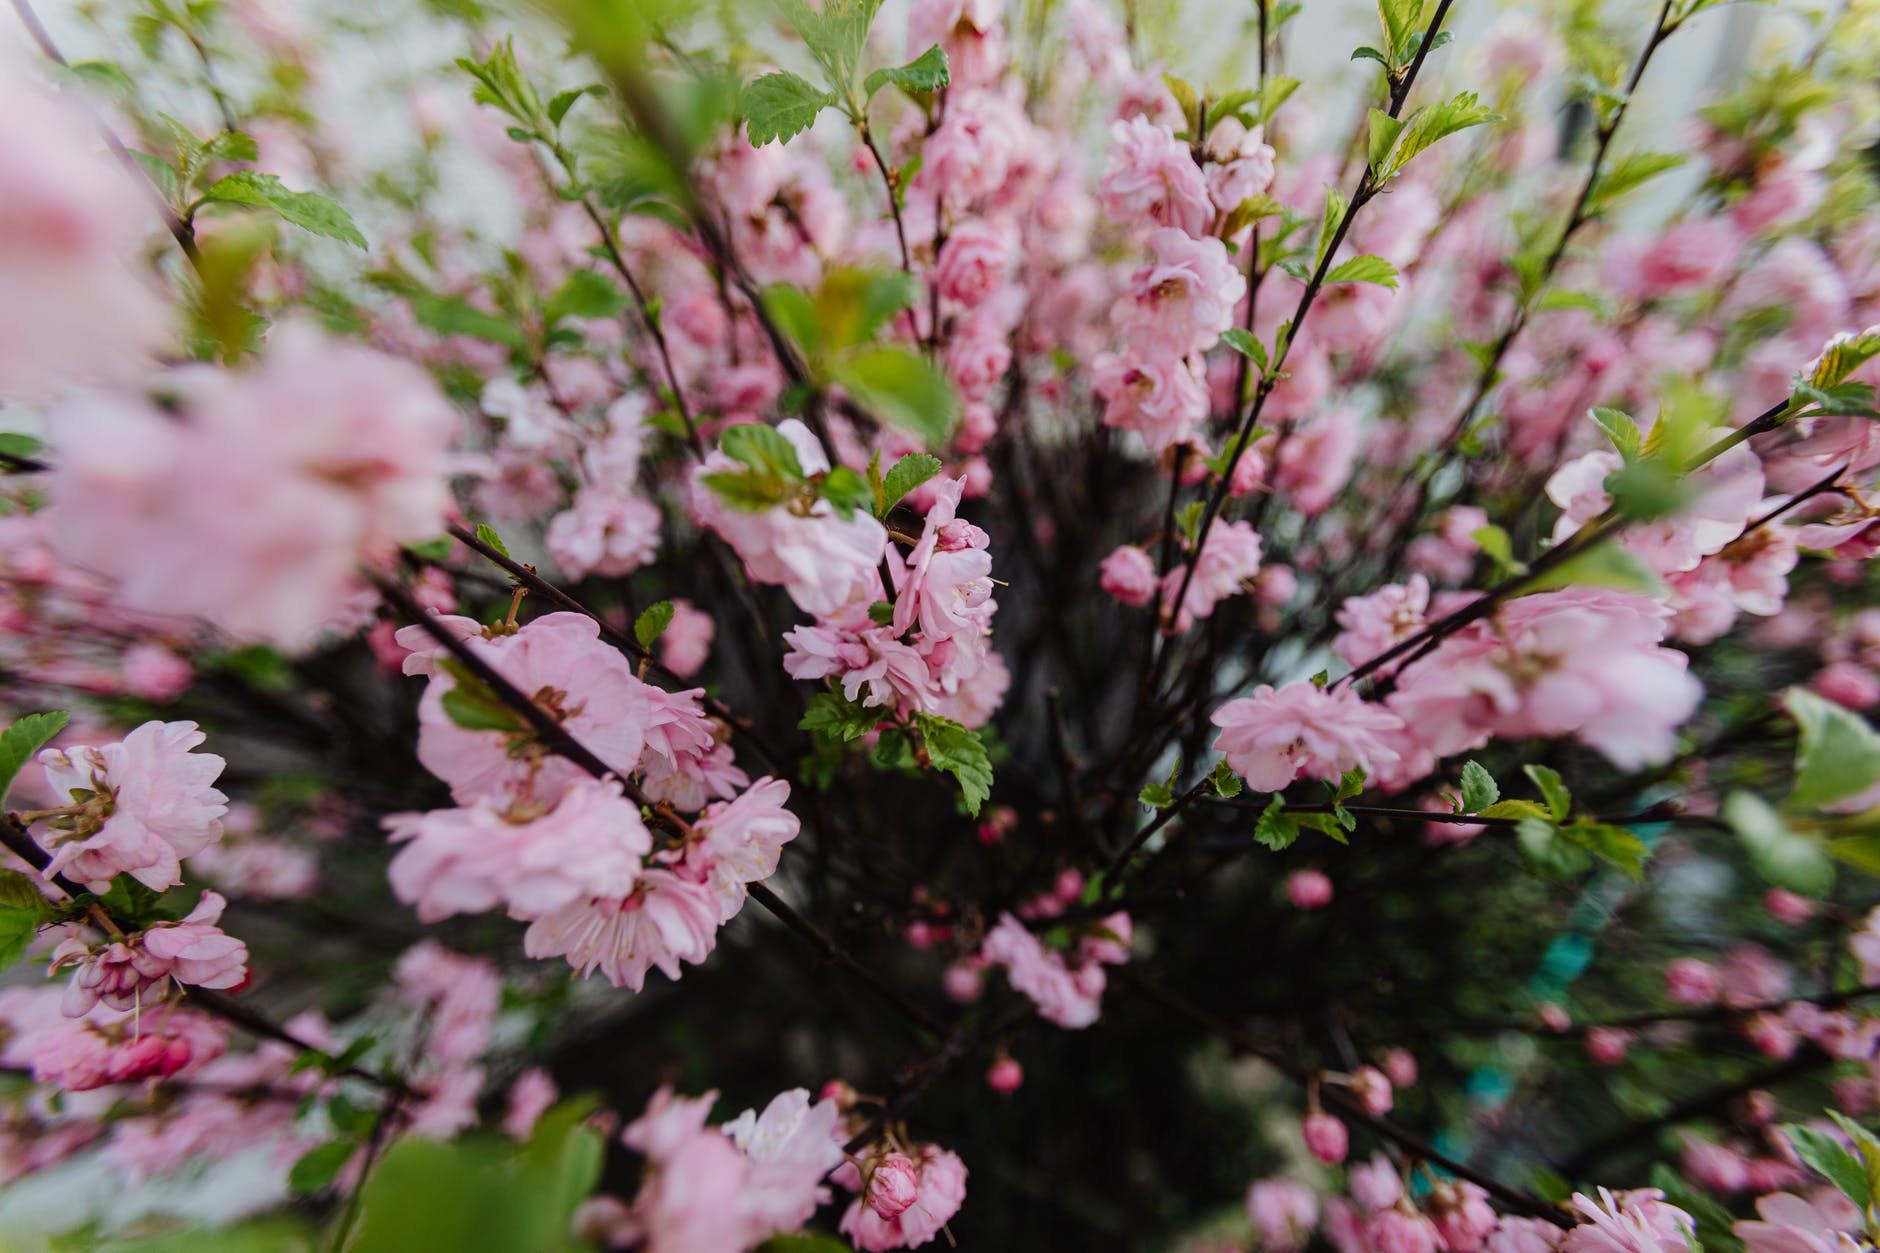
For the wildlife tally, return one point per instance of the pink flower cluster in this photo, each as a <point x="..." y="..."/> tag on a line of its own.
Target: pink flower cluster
<point x="1066" y="987"/>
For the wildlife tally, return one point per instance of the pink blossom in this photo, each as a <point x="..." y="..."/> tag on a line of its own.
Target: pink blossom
<point x="1160" y="399"/>
<point x="604" y="533"/>
<point x="1787" y="1223"/>
<point x="792" y="1146"/>
<point x="974" y="262"/>
<point x="1068" y="998"/>
<point x="1370" y="625"/>
<point x="585" y="685"/>
<point x="1395" y="1231"/>
<point x="1689" y="255"/>
<point x="1229" y="558"/>
<point x="1326" y="1137"/>
<point x="1274" y="737"/>
<point x="1462" y="1215"/>
<point x="1689" y="981"/>
<point x="871" y="665"/>
<point x="529" y="1098"/>
<point x="739" y="842"/>
<point x="1788" y="907"/>
<point x="1631" y="1222"/>
<point x="530" y="858"/>
<point x="946" y="588"/>
<point x="1315" y="464"/>
<point x="893" y="1185"/>
<point x="668" y="920"/>
<point x="1308" y="889"/>
<point x="1284" y="1211"/>
<point x="939" y="1188"/>
<point x="1128" y="574"/>
<point x="333" y="454"/>
<point x="1607" y="1045"/>
<point x="155" y="673"/>
<point x="1515" y="1234"/>
<point x="74" y="310"/>
<point x="827" y="564"/>
<point x="1183" y="299"/>
<point x="1005" y="1076"/>
<point x="137" y="971"/>
<point x="1375" y="1184"/>
<point x="1151" y="179"/>
<point x="687" y="639"/>
<point x="142" y="805"/>
<point x="1242" y="163"/>
<point x="1373" y="1090"/>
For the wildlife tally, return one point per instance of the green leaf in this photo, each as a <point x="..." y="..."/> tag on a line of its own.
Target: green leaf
<point x="1365" y="269"/>
<point x="1383" y="137"/>
<point x="564" y="101"/>
<point x="1224" y="781"/>
<point x="1275" y="92"/>
<point x="586" y="294"/>
<point x="1494" y="541"/>
<point x="25" y="737"/>
<point x="839" y="719"/>
<point x="471" y="705"/>
<point x="447" y="315"/>
<point x="959" y="752"/>
<point x="847" y="491"/>
<point x="1247" y="344"/>
<point x="1156" y="795"/>
<point x="487" y="536"/>
<point x="22" y="912"/>
<point x="795" y="315"/>
<point x="1513" y="809"/>
<point x="1780" y="854"/>
<point x="903" y="477"/>
<point x="782" y="106"/>
<point x="1368" y="53"/>
<point x="1842" y="356"/>
<point x="1553" y="791"/>
<point x="1276" y="828"/>
<point x="160" y="172"/>
<point x="652" y="623"/>
<point x="316" y="1168"/>
<point x="750" y="492"/>
<point x="1546" y="852"/>
<point x="1626" y="173"/>
<point x="924" y="75"/>
<point x="1434" y="122"/>
<point x="1620" y="429"/>
<point x="903" y="387"/>
<point x="1325" y="824"/>
<point x="1604" y="564"/>
<point x="308" y="210"/>
<point x="1839" y="754"/>
<point x="1328" y="224"/>
<point x="1479" y="789"/>
<point x="1828" y="1156"/>
<point x="763" y="449"/>
<point x="1615" y="844"/>
<point x="1350" y="784"/>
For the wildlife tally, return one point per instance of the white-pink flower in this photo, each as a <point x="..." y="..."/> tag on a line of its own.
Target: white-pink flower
<point x="1151" y="179"/>
<point x="140" y="806"/>
<point x="1181" y="301"/>
<point x="667" y="920"/>
<point x="1273" y="737"/>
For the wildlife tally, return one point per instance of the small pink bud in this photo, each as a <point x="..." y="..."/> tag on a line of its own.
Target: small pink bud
<point x="1553" y="1017"/>
<point x="1005" y="1076"/>
<point x="1326" y="1137"/>
<point x="1689" y="981"/>
<point x="1308" y="889"/>
<point x="1788" y="907"/>
<point x="1607" y="1045"/>
<point x="1401" y="1066"/>
<point x="841" y="1092"/>
<point x="893" y="1185"/>
<point x="962" y="984"/>
<point x="1372" y="1089"/>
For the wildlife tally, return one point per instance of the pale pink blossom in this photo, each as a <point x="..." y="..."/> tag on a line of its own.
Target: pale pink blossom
<point x="1005" y="1076"/>
<point x="792" y="1146"/>
<point x="587" y="686"/>
<point x="1375" y="1184"/>
<point x="975" y="261"/>
<point x="1689" y="981"/>
<point x="1150" y="179"/>
<point x="739" y="842"/>
<point x="1229" y="560"/>
<point x="604" y="533"/>
<point x="1787" y="1223"/>
<point x="939" y="1189"/>
<point x="529" y="857"/>
<point x="1181" y="301"/>
<point x="1285" y="1212"/>
<point x="332" y="454"/>
<point x="1160" y="399"/>
<point x="1630" y="1222"/>
<point x="870" y="664"/>
<point x="946" y="588"/>
<point x="1128" y="574"/>
<point x="137" y="971"/>
<point x="1370" y="625"/>
<point x="687" y="640"/>
<point x="529" y="1098"/>
<point x="1273" y="737"/>
<point x="1308" y="889"/>
<point x="1070" y="998"/>
<point x="141" y="806"/>
<point x="668" y="920"/>
<point x="1326" y="1137"/>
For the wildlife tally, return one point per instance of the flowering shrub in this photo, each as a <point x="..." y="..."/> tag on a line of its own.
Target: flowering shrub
<point x="1121" y="650"/>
